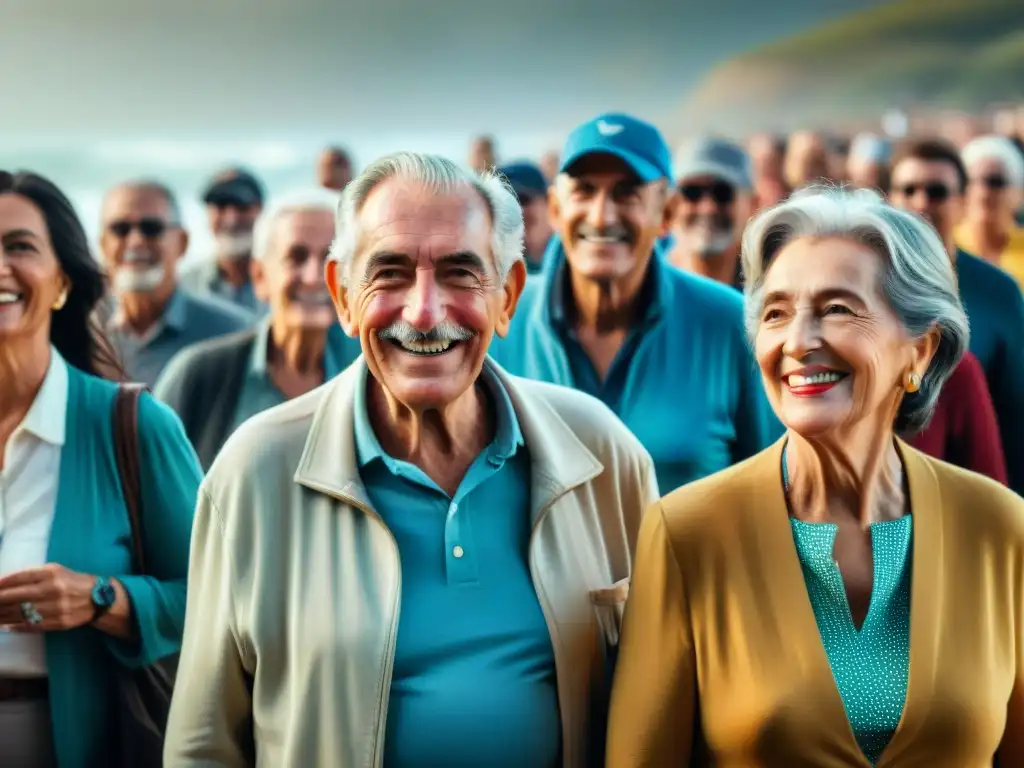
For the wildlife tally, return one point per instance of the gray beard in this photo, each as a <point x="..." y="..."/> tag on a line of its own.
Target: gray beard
<point x="708" y="247"/>
<point x="127" y="280"/>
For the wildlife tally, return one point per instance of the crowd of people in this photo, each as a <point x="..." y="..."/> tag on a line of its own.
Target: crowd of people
<point x="623" y="457"/>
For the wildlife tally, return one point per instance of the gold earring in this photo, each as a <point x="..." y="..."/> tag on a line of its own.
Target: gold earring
<point x="58" y="305"/>
<point x="913" y="382"/>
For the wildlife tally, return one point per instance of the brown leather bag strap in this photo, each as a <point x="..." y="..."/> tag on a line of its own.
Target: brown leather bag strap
<point x="126" y="453"/>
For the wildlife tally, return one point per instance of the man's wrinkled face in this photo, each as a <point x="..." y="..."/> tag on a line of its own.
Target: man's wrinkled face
<point x="141" y="241"/>
<point x="232" y="225"/>
<point x="608" y="218"/>
<point x="423" y="292"/>
<point x="710" y="215"/>
<point x="290" y="275"/>
<point x="992" y="193"/>
<point x="931" y="189"/>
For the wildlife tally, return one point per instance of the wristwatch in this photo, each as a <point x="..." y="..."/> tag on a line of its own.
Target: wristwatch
<point x="103" y="597"/>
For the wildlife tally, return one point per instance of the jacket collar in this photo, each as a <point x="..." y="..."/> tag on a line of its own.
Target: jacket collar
<point x="329" y="463"/>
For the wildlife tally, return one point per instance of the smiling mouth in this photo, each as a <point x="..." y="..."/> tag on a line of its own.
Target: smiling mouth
<point x="426" y="348"/>
<point x="8" y="298"/>
<point x="814" y="384"/>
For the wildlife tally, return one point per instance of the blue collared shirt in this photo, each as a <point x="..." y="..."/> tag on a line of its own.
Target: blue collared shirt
<point x="259" y="393"/>
<point x="186" y="320"/>
<point x="205" y="279"/>
<point x="684" y="381"/>
<point x="474" y="671"/>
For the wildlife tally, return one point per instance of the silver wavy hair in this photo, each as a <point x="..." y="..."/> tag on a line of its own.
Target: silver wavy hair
<point x="444" y="177"/>
<point x="919" y="281"/>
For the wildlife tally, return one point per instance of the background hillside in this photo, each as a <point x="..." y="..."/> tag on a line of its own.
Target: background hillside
<point x="953" y="54"/>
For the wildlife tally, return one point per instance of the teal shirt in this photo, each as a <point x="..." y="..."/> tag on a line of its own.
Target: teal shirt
<point x="870" y="665"/>
<point x="258" y="392"/>
<point x="684" y="382"/>
<point x="91" y="535"/>
<point x="474" y="670"/>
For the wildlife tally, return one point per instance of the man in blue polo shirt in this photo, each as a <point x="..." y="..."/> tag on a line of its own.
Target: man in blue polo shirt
<point x="665" y="350"/>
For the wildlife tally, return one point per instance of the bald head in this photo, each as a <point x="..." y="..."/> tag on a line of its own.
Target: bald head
<point x="334" y="168"/>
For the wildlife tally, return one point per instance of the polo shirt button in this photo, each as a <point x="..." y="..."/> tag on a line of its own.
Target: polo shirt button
<point x="453" y="508"/>
<point x="458" y="551"/>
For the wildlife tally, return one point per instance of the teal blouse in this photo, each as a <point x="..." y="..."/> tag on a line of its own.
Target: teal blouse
<point x="91" y="535"/>
<point x="870" y="665"/>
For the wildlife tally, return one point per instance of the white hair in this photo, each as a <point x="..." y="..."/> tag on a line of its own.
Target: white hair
<point x="442" y="177"/>
<point x="996" y="148"/>
<point x="919" y="281"/>
<point x="301" y="201"/>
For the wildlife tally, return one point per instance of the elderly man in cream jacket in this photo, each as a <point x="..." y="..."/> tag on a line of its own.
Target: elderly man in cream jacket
<point x="423" y="562"/>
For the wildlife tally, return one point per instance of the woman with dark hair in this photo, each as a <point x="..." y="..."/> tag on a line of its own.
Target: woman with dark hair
<point x="71" y="610"/>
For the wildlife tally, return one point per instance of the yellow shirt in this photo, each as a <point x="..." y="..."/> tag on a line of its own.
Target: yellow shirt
<point x="721" y="661"/>
<point x="1012" y="258"/>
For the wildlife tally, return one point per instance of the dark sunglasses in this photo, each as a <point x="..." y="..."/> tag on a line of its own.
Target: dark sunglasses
<point x="149" y="228"/>
<point x="994" y="181"/>
<point x="935" y="192"/>
<point x="719" y="191"/>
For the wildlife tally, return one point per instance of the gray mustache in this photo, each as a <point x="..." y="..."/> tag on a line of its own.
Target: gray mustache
<point x="444" y="331"/>
<point x="617" y="232"/>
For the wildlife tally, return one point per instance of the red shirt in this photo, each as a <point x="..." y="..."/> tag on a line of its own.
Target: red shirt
<point x="964" y="430"/>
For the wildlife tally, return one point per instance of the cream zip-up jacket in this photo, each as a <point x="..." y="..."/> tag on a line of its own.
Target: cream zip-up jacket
<point x="295" y="581"/>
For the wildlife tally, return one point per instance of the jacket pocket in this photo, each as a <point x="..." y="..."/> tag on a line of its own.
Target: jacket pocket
<point x="609" y="604"/>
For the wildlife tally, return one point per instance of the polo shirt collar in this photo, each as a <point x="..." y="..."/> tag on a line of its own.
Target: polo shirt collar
<point x="507" y="439"/>
<point x="653" y="293"/>
<point x="258" y="359"/>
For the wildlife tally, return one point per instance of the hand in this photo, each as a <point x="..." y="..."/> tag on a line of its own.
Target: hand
<point x="63" y="598"/>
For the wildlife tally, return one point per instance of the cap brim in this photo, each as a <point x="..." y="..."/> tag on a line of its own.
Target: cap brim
<point x="230" y="196"/>
<point x="528" y="192"/>
<point x="718" y="171"/>
<point x="647" y="171"/>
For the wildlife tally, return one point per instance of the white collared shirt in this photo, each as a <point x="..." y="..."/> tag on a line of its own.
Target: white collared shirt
<point x="28" y="499"/>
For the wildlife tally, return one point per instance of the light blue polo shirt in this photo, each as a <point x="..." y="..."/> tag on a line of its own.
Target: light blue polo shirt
<point x="684" y="381"/>
<point x="259" y="393"/>
<point x="474" y="672"/>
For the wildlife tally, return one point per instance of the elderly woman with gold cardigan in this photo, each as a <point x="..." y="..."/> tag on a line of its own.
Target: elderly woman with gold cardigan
<point x="840" y="599"/>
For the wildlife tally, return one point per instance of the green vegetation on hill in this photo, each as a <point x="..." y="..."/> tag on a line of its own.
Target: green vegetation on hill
<point x="962" y="54"/>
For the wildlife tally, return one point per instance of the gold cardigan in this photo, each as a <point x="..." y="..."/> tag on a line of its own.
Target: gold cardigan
<point x="721" y="662"/>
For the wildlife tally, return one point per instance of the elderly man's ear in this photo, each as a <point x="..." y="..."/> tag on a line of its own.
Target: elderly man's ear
<point x="512" y="290"/>
<point x="333" y="275"/>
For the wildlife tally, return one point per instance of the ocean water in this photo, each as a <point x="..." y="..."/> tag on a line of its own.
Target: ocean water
<point x="85" y="172"/>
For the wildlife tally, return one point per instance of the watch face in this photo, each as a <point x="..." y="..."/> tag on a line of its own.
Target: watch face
<point x="103" y="595"/>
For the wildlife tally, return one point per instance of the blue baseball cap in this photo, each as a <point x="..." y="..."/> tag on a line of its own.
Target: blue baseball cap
<point x="640" y="145"/>
<point x="711" y="156"/>
<point x="526" y="180"/>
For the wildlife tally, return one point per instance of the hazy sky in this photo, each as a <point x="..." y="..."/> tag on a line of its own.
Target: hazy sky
<point x="97" y="91"/>
<point x="203" y="69"/>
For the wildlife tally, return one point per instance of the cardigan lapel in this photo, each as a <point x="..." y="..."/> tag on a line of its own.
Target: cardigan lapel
<point x="926" y="568"/>
<point x="790" y="595"/>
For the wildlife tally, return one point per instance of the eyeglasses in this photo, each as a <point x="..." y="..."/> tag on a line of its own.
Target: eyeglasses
<point x="720" y="192"/>
<point x="934" y="191"/>
<point x="149" y="228"/>
<point x="993" y="181"/>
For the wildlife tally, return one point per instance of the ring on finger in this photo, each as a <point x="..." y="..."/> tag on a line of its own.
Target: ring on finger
<point x="30" y="614"/>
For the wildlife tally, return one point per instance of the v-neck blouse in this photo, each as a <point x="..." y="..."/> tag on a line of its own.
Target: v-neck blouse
<point x="870" y="665"/>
